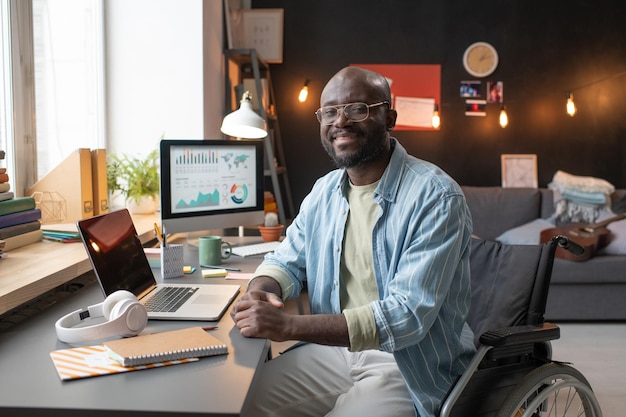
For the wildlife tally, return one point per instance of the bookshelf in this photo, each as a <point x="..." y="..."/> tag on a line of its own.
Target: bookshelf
<point x="246" y="71"/>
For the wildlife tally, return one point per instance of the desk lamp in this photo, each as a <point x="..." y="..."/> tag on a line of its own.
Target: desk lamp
<point x="244" y="123"/>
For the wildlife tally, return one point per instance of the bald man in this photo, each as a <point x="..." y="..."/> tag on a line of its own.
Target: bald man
<point x="382" y="244"/>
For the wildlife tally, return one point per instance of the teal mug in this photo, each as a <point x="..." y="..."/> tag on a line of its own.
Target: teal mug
<point x="212" y="250"/>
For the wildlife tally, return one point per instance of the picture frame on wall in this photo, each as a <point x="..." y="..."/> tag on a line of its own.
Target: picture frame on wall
<point x="475" y="107"/>
<point x="263" y="31"/>
<point x="519" y="170"/>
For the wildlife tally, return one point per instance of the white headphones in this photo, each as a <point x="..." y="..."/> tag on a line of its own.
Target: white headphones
<point x="125" y="315"/>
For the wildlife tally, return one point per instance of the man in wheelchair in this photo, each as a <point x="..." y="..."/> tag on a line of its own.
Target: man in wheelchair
<point x="383" y="244"/>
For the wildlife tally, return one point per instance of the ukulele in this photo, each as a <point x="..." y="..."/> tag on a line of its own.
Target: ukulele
<point x="591" y="236"/>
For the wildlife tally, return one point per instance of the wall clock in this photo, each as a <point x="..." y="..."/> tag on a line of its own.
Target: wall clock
<point x="480" y="59"/>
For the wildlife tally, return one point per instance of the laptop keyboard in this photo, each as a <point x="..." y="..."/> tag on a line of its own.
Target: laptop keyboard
<point x="169" y="299"/>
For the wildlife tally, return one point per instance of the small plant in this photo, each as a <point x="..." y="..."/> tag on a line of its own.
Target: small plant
<point x="134" y="177"/>
<point x="271" y="229"/>
<point x="271" y="219"/>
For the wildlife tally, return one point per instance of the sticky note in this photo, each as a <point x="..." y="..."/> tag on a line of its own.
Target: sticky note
<point x="214" y="273"/>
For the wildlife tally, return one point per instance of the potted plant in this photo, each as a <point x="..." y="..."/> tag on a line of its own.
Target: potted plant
<point x="271" y="230"/>
<point x="136" y="179"/>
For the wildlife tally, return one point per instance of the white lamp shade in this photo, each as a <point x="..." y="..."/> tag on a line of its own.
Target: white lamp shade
<point x="244" y="123"/>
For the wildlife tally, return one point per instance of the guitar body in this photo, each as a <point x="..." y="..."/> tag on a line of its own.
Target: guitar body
<point x="591" y="239"/>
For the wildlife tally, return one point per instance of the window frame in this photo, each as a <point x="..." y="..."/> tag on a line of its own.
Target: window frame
<point x="21" y="155"/>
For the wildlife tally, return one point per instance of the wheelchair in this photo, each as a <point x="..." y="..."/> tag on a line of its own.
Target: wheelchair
<point x="512" y="373"/>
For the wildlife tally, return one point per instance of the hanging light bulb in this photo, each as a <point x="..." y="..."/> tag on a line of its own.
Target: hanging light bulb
<point x="571" y="107"/>
<point x="304" y="92"/>
<point x="504" y="118"/>
<point x="436" y="120"/>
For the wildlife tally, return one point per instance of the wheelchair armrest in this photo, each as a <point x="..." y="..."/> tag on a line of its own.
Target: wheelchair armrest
<point x="520" y="334"/>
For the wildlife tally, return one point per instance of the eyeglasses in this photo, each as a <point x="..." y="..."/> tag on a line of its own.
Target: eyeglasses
<point x="354" y="112"/>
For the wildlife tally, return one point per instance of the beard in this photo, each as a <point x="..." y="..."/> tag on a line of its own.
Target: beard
<point x="372" y="144"/>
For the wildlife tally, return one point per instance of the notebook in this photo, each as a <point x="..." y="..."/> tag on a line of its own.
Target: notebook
<point x="90" y="361"/>
<point x="119" y="262"/>
<point x="193" y="342"/>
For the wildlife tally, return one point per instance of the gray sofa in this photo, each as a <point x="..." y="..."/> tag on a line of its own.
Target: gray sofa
<point x="590" y="290"/>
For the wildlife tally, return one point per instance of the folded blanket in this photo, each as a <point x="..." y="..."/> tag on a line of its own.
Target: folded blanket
<point x="582" y="183"/>
<point x="583" y="197"/>
<point x="567" y="210"/>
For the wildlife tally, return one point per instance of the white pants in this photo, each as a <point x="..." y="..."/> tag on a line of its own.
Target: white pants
<point x="316" y="380"/>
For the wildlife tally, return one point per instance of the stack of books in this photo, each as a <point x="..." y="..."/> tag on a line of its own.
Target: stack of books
<point x="5" y="187"/>
<point x="5" y="194"/>
<point x="64" y="233"/>
<point x="19" y="216"/>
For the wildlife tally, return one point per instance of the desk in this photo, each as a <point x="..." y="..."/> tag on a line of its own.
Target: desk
<point x="216" y="386"/>
<point x="32" y="270"/>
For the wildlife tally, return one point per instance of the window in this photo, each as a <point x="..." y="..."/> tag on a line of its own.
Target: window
<point x="67" y="40"/>
<point x="64" y="39"/>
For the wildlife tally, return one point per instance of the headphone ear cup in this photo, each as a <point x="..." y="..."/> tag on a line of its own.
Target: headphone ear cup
<point x="132" y="314"/>
<point x="113" y="299"/>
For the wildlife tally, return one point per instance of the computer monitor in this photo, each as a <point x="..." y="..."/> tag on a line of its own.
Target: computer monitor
<point x="211" y="184"/>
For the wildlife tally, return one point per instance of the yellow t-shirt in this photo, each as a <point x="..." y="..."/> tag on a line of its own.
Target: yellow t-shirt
<point x="358" y="282"/>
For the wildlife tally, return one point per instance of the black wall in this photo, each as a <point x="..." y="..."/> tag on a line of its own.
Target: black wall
<point x="545" y="48"/>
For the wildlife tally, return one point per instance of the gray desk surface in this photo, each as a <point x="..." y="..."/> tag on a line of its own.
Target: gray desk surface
<point x="29" y="384"/>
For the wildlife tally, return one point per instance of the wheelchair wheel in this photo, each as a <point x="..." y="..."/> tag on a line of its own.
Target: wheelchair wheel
<point x="552" y="390"/>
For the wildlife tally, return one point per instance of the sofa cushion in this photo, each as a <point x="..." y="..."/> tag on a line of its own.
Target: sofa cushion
<point x="617" y="245"/>
<point x="618" y="201"/>
<point x="547" y="203"/>
<point x="496" y="209"/>
<point x="526" y="234"/>
<point x="598" y="270"/>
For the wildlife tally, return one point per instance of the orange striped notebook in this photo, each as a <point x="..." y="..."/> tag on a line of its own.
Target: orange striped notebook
<point x="89" y="361"/>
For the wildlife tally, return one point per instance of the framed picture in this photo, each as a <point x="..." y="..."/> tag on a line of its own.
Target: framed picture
<point x="495" y="92"/>
<point x="475" y="107"/>
<point x="263" y="31"/>
<point x="519" y="170"/>
<point x="470" y="88"/>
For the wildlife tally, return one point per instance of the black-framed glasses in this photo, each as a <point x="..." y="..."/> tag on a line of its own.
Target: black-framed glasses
<point x="354" y="112"/>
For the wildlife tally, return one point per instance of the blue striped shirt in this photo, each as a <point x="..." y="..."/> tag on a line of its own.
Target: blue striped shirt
<point x="421" y="249"/>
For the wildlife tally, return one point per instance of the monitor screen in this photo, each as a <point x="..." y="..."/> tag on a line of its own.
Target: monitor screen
<point x="211" y="184"/>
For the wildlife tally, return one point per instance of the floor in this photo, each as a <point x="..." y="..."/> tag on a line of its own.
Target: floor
<point x="597" y="350"/>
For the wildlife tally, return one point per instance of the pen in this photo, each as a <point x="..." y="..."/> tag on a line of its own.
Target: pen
<point x="221" y="267"/>
<point x="158" y="235"/>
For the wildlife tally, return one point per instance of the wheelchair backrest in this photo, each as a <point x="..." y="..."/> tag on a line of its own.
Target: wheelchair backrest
<point x="509" y="284"/>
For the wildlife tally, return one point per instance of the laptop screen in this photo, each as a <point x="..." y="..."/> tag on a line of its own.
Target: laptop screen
<point x="116" y="253"/>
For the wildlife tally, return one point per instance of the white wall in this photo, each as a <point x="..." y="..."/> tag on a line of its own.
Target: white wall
<point x="156" y="52"/>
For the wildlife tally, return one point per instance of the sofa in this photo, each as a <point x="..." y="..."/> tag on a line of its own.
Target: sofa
<point x="593" y="290"/>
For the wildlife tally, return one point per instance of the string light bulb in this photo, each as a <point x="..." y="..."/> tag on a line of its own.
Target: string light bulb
<point x="570" y="106"/>
<point x="436" y="120"/>
<point x="304" y="92"/>
<point x="504" y="117"/>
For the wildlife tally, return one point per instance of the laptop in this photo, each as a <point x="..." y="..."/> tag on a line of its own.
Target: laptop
<point x="119" y="262"/>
